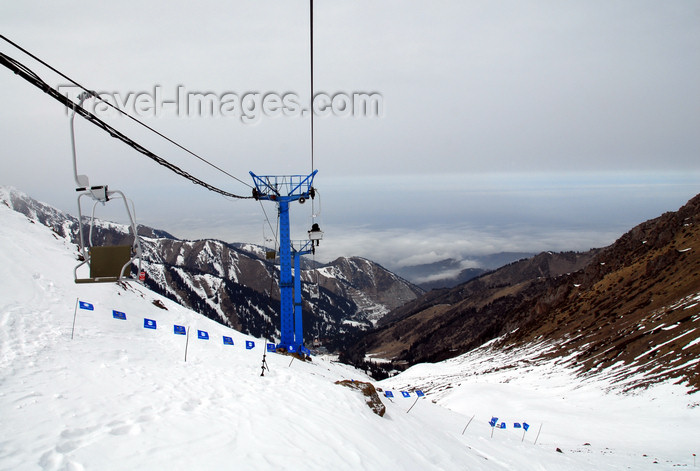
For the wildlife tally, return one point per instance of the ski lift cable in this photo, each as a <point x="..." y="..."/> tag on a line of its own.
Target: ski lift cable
<point x="311" y="42"/>
<point x="313" y="208"/>
<point x="311" y="58"/>
<point x="96" y="96"/>
<point x="30" y="76"/>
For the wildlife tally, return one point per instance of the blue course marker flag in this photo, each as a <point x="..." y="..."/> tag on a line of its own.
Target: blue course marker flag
<point x="179" y="330"/>
<point x="86" y="306"/>
<point x="526" y="426"/>
<point x="271" y="347"/>
<point x="118" y="315"/>
<point x="388" y="394"/>
<point x="493" y="421"/>
<point x="516" y="425"/>
<point x="503" y="425"/>
<point x="228" y="340"/>
<point x="201" y="334"/>
<point x="249" y="344"/>
<point x="149" y="324"/>
<point x="419" y="393"/>
<point x="405" y="394"/>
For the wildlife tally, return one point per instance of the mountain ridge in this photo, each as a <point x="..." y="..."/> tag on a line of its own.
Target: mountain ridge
<point x="450" y="272"/>
<point x="635" y="302"/>
<point x="236" y="285"/>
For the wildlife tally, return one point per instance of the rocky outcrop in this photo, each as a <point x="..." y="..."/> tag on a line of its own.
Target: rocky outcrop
<point x="369" y="392"/>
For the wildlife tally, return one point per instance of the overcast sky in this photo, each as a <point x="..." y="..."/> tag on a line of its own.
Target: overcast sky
<point x="504" y="125"/>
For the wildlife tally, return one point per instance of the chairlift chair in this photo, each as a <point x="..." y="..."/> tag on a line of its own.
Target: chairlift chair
<point x="269" y="246"/>
<point x="108" y="263"/>
<point x="315" y="234"/>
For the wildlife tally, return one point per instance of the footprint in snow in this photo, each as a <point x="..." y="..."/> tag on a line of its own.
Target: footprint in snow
<point x="122" y="428"/>
<point x="191" y="405"/>
<point x="54" y="460"/>
<point x="71" y="433"/>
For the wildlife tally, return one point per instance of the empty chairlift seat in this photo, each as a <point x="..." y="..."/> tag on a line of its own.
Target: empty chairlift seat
<point x="108" y="264"/>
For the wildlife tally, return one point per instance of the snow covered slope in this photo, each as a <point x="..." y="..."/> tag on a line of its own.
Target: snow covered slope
<point x="118" y="396"/>
<point x="653" y="428"/>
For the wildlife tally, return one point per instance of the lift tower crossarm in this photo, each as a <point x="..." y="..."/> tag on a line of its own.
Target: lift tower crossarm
<point x="293" y="187"/>
<point x="284" y="189"/>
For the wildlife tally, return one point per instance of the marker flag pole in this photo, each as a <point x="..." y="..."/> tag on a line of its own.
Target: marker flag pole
<point x="470" y="421"/>
<point x="526" y="427"/>
<point x="492" y="423"/>
<point x="187" y="342"/>
<point x="75" y="314"/>
<point x="414" y="403"/>
<point x="538" y="434"/>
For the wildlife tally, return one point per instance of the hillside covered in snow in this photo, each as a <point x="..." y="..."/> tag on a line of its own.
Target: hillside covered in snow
<point x="83" y="388"/>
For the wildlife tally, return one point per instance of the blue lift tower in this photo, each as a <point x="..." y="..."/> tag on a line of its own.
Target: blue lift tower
<point x="284" y="189"/>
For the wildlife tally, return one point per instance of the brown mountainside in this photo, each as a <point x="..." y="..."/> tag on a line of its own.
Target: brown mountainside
<point x="632" y="308"/>
<point x="637" y="304"/>
<point x="444" y="323"/>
